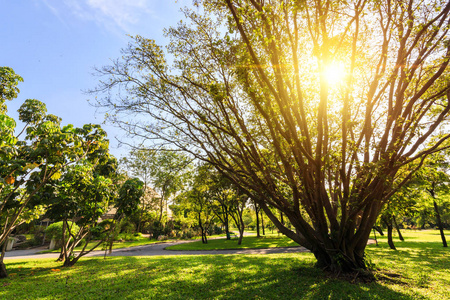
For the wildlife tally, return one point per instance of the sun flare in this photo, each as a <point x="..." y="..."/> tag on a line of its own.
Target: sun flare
<point x="334" y="73"/>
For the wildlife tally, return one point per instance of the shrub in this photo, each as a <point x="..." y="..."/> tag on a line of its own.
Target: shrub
<point x="54" y="231"/>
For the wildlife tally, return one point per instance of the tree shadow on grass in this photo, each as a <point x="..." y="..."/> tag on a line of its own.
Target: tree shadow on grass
<point x="280" y="276"/>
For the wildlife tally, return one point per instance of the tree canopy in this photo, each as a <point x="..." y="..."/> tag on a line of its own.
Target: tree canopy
<point x="314" y="108"/>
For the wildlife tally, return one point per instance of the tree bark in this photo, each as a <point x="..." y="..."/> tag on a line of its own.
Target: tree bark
<point x="257" y="222"/>
<point x="439" y="223"/>
<point x="227" y="229"/>
<point x="3" y="272"/>
<point x="400" y="236"/>
<point x="379" y="229"/>
<point x="262" y="223"/>
<point x="203" y="231"/>
<point x="388" y="222"/>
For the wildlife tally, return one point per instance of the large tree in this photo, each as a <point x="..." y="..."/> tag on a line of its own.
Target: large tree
<point x="314" y="108"/>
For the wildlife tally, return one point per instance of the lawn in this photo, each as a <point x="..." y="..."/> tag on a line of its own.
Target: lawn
<point x="248" y="242"/>
<point x="422" y="263"/>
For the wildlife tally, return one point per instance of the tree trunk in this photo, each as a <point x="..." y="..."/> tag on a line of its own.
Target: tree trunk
<point x="61" y="255"/>
<point x="400" y="236"/>
<point x="388" y="222"/>
<point x="161" y="208"/>
<point x="71" y="262"/>
<point x="203" y="231"/>
<point x="379" y="229"/>
<point x="3" y="273"/>
<point x="375" y="236"/>
<point x="241" y="235"/>
<point x="241" y="228"/>
<point x="257" y="221"/>
<point x="339" y="262"/>
<point x="439" y="223"/>
<point x="262" y="223"/>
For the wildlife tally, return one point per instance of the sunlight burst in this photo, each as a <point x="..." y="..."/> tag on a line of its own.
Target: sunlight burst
<point x="334" y="73"/>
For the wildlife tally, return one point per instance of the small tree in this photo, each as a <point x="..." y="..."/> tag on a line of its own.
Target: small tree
<point x="27" y="164"/>
<point x="82" y="196"/>
<point x="126" y="204"/>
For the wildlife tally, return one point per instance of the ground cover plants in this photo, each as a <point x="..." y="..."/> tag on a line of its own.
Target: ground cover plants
<point x="418" y="270"/>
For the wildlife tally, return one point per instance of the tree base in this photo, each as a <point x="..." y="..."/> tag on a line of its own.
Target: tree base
<point x="356" y="276"/>
<point x="3" y="273"/>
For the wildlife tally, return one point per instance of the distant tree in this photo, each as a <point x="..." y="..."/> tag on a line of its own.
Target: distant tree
<point x="313" y="108"/>
<point x="139" y="163"/>
<point x="222" y="195"/>
<point x="126" y="204"/>
<point x="164" y="169"/>
<point x="197" y="200"/>
<point x="435" y="179"/>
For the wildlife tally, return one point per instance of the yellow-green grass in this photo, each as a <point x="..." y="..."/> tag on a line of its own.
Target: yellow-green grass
<point x="248" y="242"/>
<point x="422" y="263"/>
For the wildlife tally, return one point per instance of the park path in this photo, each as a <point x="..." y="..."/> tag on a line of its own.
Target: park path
<point x="152" y="250"/>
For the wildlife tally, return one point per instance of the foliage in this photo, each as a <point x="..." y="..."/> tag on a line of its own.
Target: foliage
<point x="29" y="163"/>
<point x="55" y="230"/>
<point x="196" y="201"/>
<point x="130" y="194"/>
<point x="164" y="169"/>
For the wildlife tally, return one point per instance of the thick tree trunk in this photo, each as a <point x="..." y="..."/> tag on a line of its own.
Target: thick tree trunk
<point x="339" y="261"/>
<point x="439" y="223"/>
<point x="400" y="236"/>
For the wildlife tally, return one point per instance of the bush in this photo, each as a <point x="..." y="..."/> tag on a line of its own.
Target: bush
<point x="55" y="230"/>
<point x="217" y="230"/>
<point x="188" y="233"/>
<point x="38" y="237"/>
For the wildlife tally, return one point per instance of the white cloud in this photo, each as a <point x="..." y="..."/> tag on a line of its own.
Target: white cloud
<point x="114" y="15"/>
<point x="122" y="12"/>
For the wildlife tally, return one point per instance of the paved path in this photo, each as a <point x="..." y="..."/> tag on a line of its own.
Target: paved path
<point x="151" y="250"/>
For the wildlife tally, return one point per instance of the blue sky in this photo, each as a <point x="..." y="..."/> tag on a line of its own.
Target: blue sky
<point x="55" y="44"/>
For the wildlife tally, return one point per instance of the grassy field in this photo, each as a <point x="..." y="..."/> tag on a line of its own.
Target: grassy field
<point x="421" y="261"/>
<point x="248" y="242"/>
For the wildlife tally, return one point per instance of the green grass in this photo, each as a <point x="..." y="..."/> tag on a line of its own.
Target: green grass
<point x="248" y="242"/>
<point x="421" y="261"/>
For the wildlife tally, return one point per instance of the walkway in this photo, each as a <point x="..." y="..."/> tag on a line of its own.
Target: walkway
<point x="151" y="250"/>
